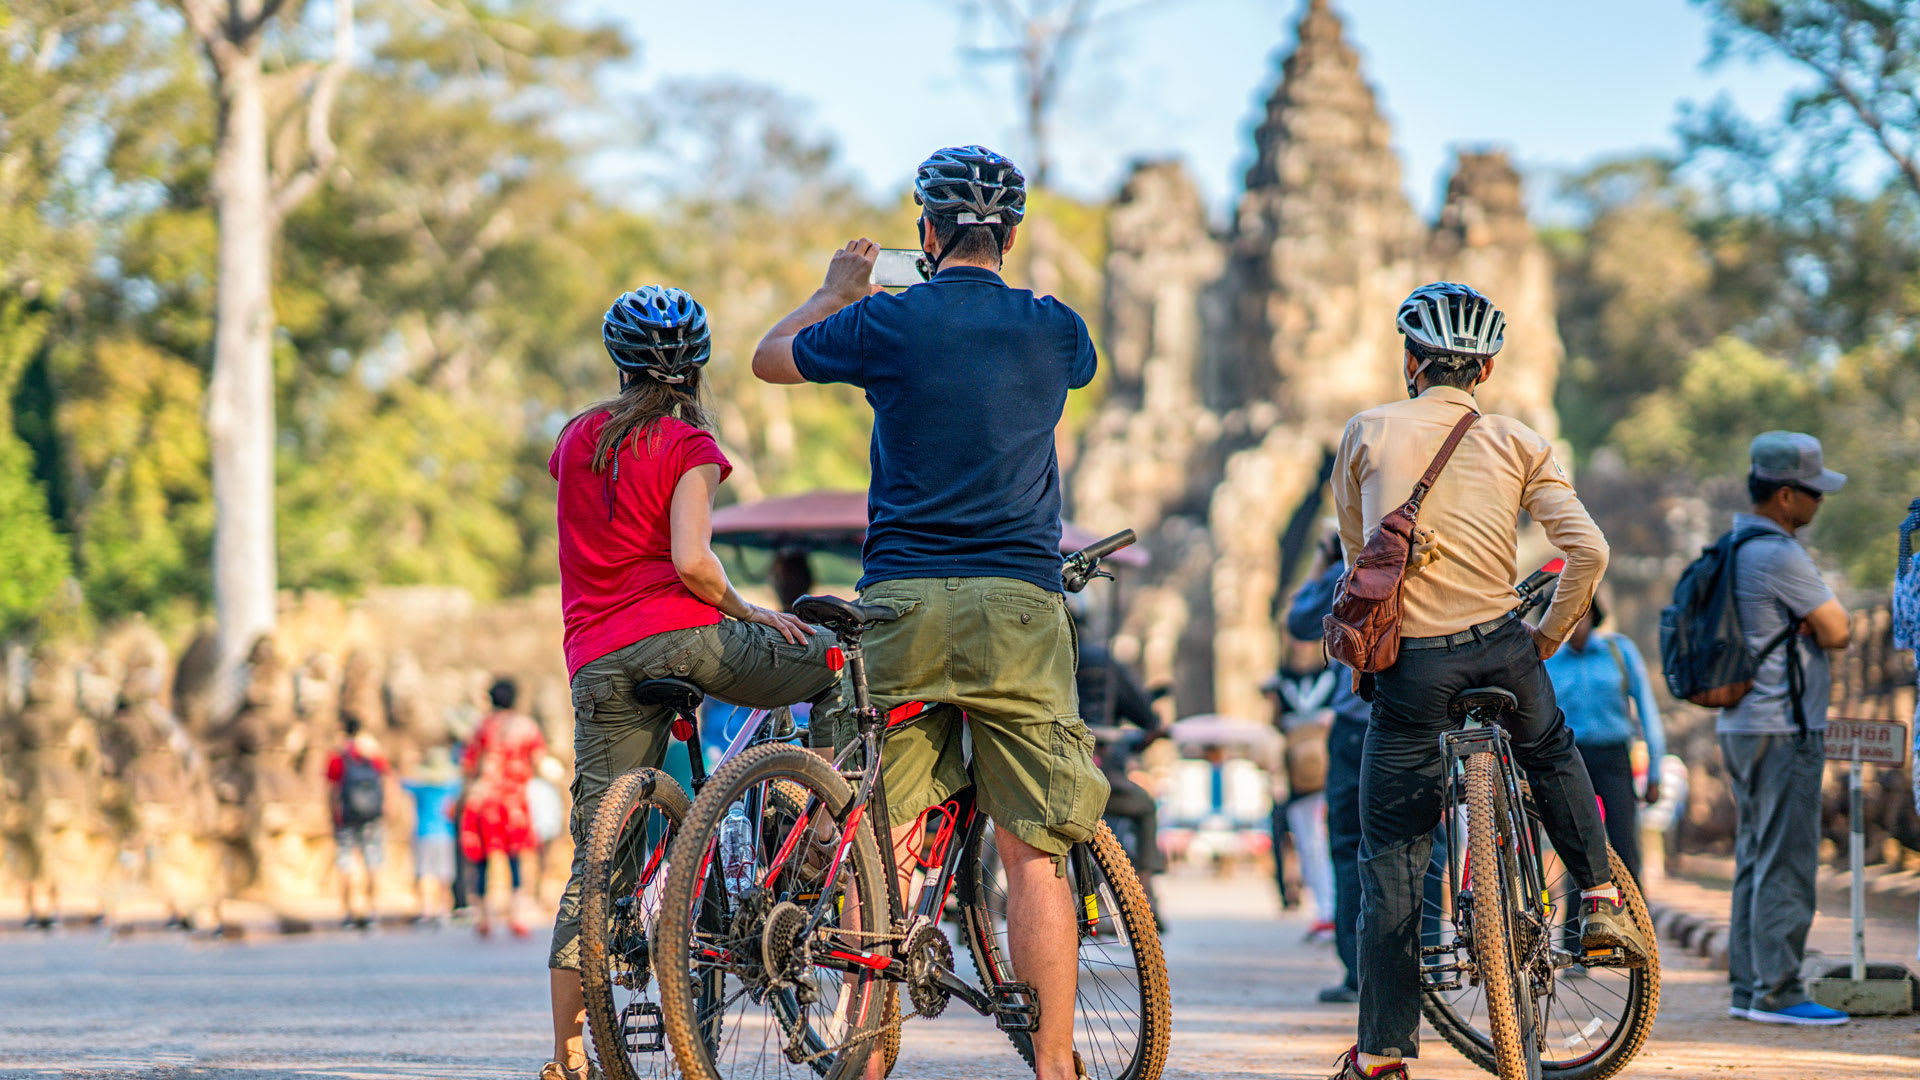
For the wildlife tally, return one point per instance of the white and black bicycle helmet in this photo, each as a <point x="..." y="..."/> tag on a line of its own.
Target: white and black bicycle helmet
<point x="971" y="185"/>
<point x="657" y="331"/>
<point x="1451" y="324"/>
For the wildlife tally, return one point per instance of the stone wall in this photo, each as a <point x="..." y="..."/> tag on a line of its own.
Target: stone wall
<point x="1236" y="356"/>
<point x="125" y="798"/>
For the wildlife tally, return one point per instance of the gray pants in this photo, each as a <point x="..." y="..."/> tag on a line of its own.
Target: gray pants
<point x="1776" y="855"/>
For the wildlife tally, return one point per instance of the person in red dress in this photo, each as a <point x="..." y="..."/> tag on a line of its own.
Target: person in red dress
<point x="496" y="820"/>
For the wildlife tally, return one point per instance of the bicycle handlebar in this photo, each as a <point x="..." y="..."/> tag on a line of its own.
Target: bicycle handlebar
<point x="1538" y="587"/>
<point x="1100" y="549"/>
<point x="1084" y="565"/>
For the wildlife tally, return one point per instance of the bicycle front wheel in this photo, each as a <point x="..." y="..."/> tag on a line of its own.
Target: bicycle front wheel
<point x="1122" y="1008"/>
<point x="749" y="984"/>
<point x="620" y="883"/>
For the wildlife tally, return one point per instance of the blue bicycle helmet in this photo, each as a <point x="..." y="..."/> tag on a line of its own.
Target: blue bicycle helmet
<point x="657" y="331"/>
<point x="971" y="185"/>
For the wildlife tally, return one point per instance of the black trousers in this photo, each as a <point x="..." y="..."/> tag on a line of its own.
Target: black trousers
<point x="1126" y="799"/>
<point x="1345" y="744"/>
<point x="1400" y="790"/>
<point x="1611" y="770"/>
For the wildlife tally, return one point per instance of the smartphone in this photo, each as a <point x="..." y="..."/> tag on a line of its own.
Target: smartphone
<point x="897" y="268"/>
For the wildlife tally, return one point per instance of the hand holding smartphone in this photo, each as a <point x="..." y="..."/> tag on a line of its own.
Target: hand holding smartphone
<point x="897" y="268"/>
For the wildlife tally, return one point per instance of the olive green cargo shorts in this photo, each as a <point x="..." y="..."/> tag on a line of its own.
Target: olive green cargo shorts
<point x="744" y="663"/>
<point x="1002" y="651"/>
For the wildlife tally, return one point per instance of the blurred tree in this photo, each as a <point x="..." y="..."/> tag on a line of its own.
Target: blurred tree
<point x="1865" y="55"/>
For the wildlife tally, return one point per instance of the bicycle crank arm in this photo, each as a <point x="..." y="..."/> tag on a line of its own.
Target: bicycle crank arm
<point x="965" y="991"/>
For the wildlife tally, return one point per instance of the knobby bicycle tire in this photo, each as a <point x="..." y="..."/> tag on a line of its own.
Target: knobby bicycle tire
<point x="1492" y="946"/>
<point x="626" y="796"/>
<point x="772" y="765"/>
<point x="1642" y="998"/>
<point x="1149" y="1053"/>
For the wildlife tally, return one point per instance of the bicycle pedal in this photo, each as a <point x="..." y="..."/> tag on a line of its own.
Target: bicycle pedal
<point x="642" y="1028"/>
<point x="1016" y="1007"/>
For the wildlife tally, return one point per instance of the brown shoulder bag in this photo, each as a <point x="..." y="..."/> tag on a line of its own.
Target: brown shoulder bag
<point x="1363" y="631"/>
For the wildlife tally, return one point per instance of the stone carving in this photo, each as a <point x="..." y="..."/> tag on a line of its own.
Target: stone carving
<point x="1236" y="359"/>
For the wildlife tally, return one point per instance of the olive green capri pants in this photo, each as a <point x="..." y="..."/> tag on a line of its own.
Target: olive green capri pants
<point x="739" y="662"/>
<point x="1002" y="652"/>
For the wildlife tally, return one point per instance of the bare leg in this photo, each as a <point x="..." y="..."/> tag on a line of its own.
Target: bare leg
<point x="569" y="1020"/>
<point x="1045" y="946"/>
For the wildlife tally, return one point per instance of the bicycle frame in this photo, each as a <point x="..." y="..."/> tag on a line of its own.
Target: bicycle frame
<point x="961" y="824"/>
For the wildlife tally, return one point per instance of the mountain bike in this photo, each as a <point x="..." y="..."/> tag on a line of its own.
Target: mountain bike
<point x="792" y="945"/>
<point x="1511" y="988"/>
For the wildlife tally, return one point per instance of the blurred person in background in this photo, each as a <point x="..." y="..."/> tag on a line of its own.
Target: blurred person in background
<point x="548" y="808"/>
<point x="643" y="594"/>
<point x="1906" y="624"/>
<point x="356" y="782"/>
<point x="435" y="788"/>
<point x="496" y="818"/>
<point x="1773" y="740"/>
<point x="1111" y="695"/>
<point x="1345" y="739"/>
<point x="1302" y="696"/>
<point x="1601" y="683"/>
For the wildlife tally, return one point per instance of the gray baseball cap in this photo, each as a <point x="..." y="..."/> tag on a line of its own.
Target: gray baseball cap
<point x="1793" y="457"/>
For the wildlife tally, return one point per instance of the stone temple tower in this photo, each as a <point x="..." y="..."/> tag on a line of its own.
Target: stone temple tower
<point x="1237" y="357"/>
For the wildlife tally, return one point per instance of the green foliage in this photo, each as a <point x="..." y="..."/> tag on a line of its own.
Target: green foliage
<point x="1727" y="393"/>
<point x="419" y="494"/>
<point x="134" y="431"/>
<point x="31" y="549"/>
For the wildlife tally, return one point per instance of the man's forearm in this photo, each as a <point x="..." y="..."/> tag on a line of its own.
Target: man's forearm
<point x="1574" y="594"/>
<point x="773" y="358"/>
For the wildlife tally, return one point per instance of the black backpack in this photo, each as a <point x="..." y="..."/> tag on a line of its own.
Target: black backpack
<point x="362" y="794"/>
<point x="1703" y="651"/>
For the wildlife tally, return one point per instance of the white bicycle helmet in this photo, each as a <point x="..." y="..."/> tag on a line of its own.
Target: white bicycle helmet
<point x="1451" y="324"/>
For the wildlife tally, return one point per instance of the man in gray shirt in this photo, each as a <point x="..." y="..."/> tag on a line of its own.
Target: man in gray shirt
<point x="1773" y="740"/>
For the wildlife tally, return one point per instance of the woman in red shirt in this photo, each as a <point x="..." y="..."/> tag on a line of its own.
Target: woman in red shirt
<point x="495" y="818"/>
<point x="643" y="593"/>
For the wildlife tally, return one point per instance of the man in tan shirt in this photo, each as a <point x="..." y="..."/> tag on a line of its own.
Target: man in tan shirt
<point x="1460" y="630"/>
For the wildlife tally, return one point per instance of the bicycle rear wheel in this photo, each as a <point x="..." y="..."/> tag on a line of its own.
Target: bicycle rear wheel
<point x="1593" y="1018"/>
<point x="1496" y="963"/>
<point x="778" y="1011"/>
<point x="1122" y="1008"/>
<point x="620" y="883"/>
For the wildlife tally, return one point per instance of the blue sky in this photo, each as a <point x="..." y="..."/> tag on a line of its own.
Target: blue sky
<point x="1560" y="84"/>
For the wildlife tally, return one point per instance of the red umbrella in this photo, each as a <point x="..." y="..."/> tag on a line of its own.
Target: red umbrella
<point x="837" y="521"/>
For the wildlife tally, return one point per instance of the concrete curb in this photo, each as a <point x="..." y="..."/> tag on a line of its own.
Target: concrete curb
<point x="1700" y="935"/>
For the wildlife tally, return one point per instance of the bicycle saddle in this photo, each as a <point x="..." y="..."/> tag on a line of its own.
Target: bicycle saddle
<point x="1494" y="698"/>
<point x="677" y="694"/>
<point x="841" y="615"/>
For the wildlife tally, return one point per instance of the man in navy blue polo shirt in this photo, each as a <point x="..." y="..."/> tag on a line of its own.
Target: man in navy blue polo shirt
<point x="967" y="379"/>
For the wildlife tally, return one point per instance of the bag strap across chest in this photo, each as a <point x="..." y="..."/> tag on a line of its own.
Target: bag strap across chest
<point x="1440" y="459"/>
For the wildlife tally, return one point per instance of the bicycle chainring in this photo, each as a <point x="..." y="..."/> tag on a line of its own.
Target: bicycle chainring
<point x="928" y="953"/>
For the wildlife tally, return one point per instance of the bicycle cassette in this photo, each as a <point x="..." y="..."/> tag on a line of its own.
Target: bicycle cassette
<point x="782" y="945"/>
<point x="928" y="953"/>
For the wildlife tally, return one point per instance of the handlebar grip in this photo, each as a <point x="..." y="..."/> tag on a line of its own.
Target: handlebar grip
<point x="1100" y="549"/>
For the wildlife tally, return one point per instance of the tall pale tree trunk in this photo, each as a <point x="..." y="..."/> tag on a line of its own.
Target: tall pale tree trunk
<point x="240" y="418"/>
<point x="249" y="204"/>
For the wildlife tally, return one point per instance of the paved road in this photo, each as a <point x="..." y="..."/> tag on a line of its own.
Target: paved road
<point x="444" y="1005"/>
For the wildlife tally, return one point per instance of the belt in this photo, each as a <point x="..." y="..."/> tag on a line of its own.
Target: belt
<point x="1465" y="637"/>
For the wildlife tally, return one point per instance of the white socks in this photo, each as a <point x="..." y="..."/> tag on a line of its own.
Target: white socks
<point x="1372" y="1063"/>
<point x="1609" y="892"/>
